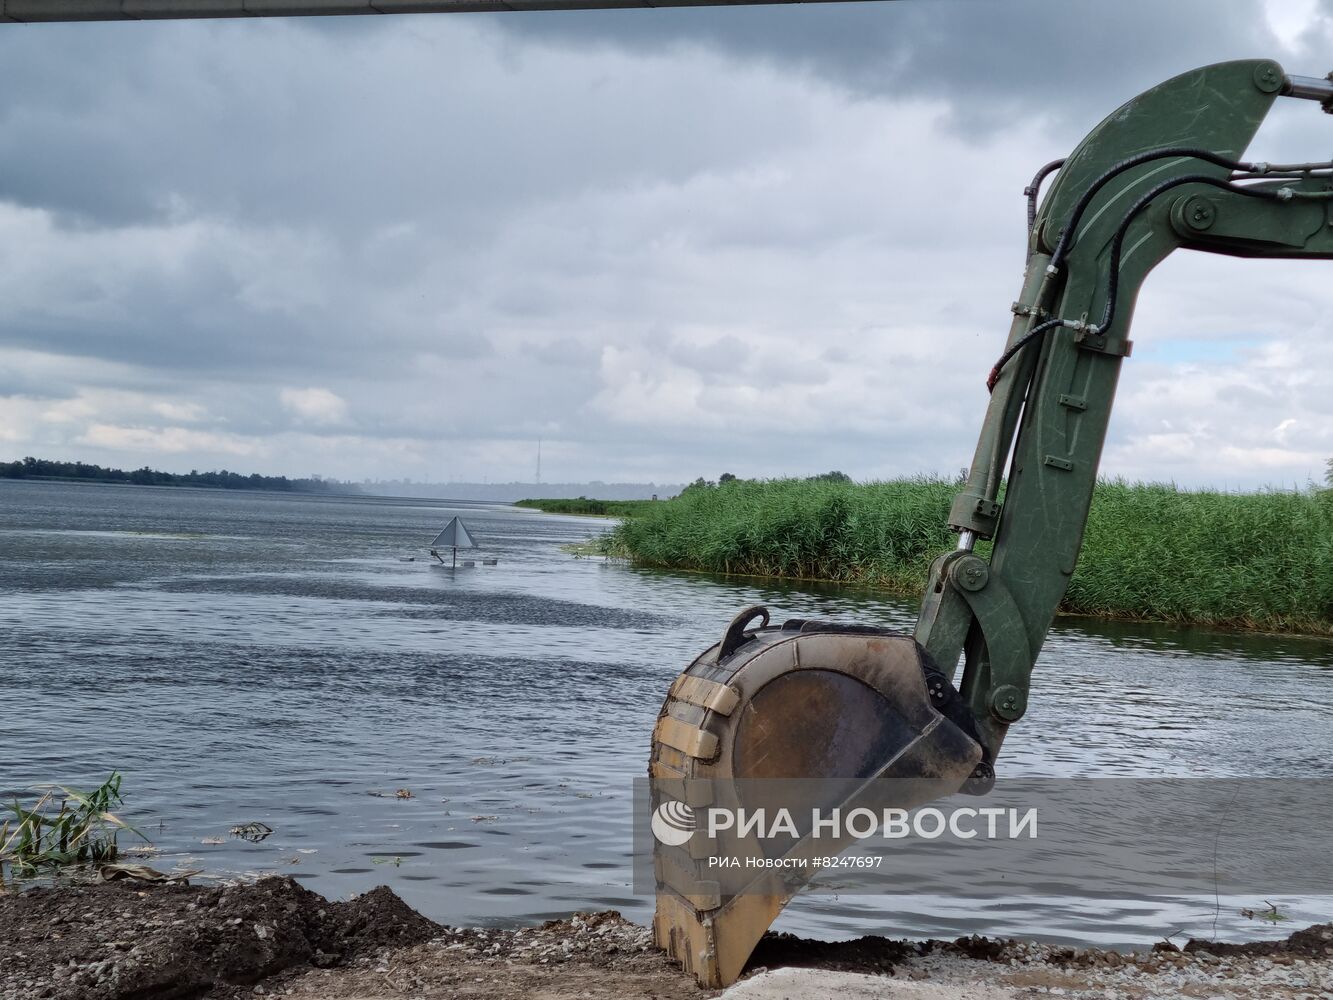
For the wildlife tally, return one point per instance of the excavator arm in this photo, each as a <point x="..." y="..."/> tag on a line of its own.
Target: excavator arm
<point x="841" y="711"/>
<point x="1161" y="173"/>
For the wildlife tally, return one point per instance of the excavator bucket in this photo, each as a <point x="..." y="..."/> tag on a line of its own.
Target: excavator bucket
<point x="841" y="713"/>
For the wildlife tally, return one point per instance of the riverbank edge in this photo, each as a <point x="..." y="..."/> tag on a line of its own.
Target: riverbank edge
<point x="117" y="941"/>
<point x="1247" y="562"/>
<point x="1320" y="631"/>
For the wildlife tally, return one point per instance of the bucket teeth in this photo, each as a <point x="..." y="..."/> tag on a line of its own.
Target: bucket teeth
<point x="713" y="946"/>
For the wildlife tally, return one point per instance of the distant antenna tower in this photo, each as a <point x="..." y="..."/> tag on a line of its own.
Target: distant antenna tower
<point x="539" y="461"/>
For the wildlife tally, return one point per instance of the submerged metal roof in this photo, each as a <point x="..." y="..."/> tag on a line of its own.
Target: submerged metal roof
<point x="454" y="536"/>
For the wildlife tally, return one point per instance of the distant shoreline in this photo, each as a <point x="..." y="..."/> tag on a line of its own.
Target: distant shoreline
<point x="49" y="470"/>
<point x="441" y="502"/>
<point x="74" y="481"/>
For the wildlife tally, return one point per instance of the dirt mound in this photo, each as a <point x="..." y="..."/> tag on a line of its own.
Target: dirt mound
<point x="119" y="941"/>
<point x="884" y="955"/>
<point x="865" y="954"/>
<point x="1312" y="942"/>
<point x="167" y="942"/>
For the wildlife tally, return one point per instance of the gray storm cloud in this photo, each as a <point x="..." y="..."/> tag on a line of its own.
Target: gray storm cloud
<point x="985" y="58"/>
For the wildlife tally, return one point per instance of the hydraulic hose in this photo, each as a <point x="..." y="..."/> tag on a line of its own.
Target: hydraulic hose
<point x="1034" y="189"/>
<point x="1247" y="170"/>
<point x="1118" y="240"/>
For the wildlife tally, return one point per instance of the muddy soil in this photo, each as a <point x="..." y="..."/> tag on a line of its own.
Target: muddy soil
<point x="119" y="941"/>
<point x="122" y="939"/>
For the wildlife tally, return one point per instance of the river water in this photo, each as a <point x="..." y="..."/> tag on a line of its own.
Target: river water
<point x="258" y="657"/>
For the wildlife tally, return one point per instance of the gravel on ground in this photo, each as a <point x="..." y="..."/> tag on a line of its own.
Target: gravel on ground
<point x="118" y="941"/>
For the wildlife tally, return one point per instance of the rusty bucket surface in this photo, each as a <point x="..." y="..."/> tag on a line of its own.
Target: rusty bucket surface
<point x="862" y="709"/>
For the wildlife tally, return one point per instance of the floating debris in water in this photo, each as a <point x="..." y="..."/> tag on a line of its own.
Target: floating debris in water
<point x="142" y="873"/>
<point x="484" y="819"/>
<point x="1272" y="914"/>
<point x="404" y="793"/>
<point x="395" y="861"/>
<point x="213" y="840"/>
<point x="253" y="832"/>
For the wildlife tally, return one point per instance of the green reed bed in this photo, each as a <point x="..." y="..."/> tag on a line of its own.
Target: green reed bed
<point x="587" y="507"/>
<point x="1261" y="560"/>
<point x="1250" y="560"/>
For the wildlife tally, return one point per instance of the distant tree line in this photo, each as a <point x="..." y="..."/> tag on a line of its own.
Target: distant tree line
<point x="42" y="468"/>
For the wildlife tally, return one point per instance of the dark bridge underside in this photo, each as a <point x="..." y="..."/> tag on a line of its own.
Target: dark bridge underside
<point x="23" y="11"/>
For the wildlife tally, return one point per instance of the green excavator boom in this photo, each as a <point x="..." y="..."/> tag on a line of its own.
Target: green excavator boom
<point x="1163" y="172"/>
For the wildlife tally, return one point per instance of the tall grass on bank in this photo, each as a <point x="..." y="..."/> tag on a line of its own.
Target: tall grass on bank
<point x="1260" y="560"/>
<point x="878" y="533"/>
<point x="1249" y="560"/>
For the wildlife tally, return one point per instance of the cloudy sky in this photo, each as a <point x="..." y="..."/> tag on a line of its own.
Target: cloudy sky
<point x="768" y="240"/>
